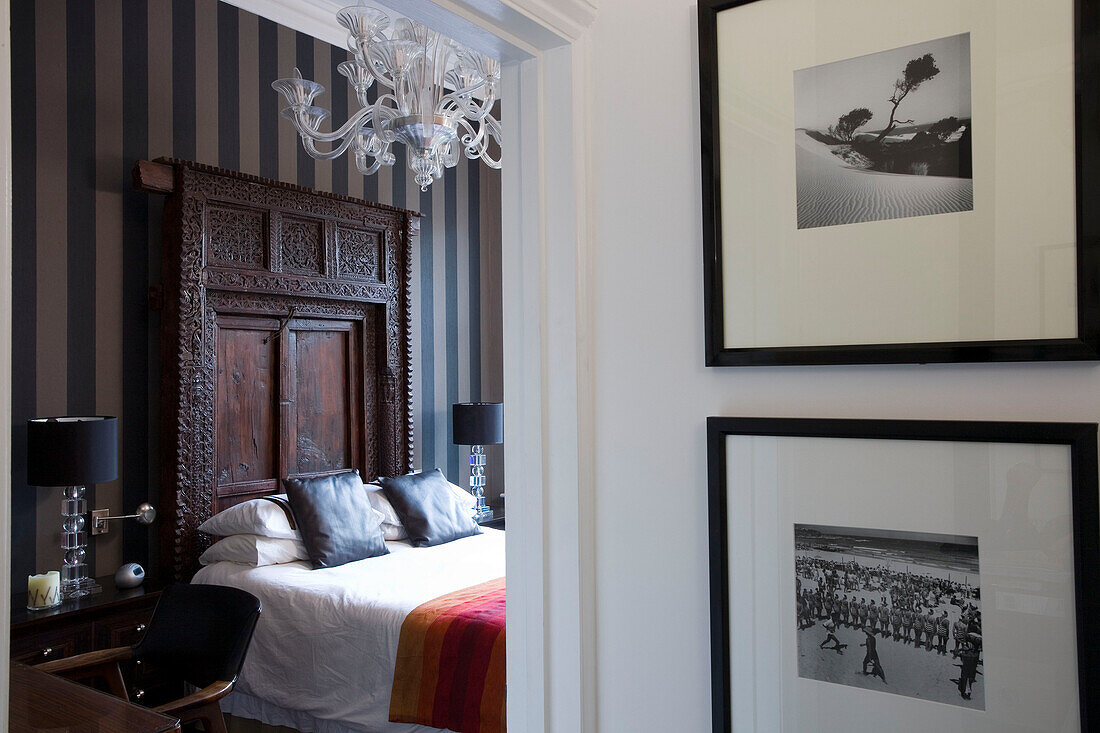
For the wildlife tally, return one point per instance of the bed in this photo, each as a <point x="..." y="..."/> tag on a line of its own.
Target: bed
<point x="344" y="624"/>
<point x="286" y="351"/>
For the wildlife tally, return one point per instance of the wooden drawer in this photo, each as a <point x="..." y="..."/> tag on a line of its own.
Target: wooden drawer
<point x="49" y="645"/>
<point x="123" y="629"/>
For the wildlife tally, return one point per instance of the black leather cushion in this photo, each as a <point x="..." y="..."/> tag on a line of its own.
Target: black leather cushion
<point x="335" y="518"/>
<point x="430" y="512"/>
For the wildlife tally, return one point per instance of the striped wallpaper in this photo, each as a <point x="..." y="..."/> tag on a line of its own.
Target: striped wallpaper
<point x="98" y="85"/>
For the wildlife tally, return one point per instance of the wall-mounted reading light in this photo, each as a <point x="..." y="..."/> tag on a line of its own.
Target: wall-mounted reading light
<point x="145" y="514"/>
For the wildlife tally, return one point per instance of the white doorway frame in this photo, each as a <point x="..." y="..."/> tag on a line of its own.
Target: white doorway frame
<point x="548" y="384"/>
<point x="549" y="440"/>
<point x="548" y="381"/>
<point x="6" y="315"/>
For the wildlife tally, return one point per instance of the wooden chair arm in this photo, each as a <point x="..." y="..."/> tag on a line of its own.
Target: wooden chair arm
<point x="87" y="660"/>
<point x="209" y="694"/>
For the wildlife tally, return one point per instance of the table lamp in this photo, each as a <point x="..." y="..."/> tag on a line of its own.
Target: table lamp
<point x="478" y="424"/>
<point x="72" y="452"/>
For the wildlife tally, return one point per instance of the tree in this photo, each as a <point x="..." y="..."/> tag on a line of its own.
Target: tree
<point x="847" y="125"/>
<point x="944" y="128"/>
<point x="917" y="71"/>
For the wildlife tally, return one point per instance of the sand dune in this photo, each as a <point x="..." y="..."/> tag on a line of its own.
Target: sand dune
<point x="830" y="192"/>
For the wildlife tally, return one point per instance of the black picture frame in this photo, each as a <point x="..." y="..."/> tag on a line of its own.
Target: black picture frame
<point x="1081" y="438"/>
<point x="1086" y="346"/>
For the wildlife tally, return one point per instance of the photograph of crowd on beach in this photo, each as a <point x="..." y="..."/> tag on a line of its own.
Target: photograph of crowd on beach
<point x="897" y="612"/>
<point x="885" y="136"/>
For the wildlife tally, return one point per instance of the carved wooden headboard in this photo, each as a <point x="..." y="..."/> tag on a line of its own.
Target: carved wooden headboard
<point x="286" y="343"/>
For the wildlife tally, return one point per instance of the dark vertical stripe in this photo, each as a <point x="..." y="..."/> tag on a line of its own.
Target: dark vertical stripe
<point x="229" y="83"/>
<point x="473" y="190"/>
<point x="450" y="285"/>
<point x="303" y="53"/>
<point x="183" y="79"/>
<point x="24" y="292"/>
<point x="270" y="100"/>
<point x="80" y="215"/>
<point x="339" y="117"/>
<point x="370" y="183"/>
<point x="427" y="319"/>
<point x="135" y="269"/>
<point x="80" y="182"/>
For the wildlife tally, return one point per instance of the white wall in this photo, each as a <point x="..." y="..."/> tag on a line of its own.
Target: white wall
<point x="5" y="358"/>
<point x="653" y="393"/>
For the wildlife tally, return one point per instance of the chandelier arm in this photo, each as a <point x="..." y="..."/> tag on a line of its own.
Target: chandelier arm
<point x="476" y="143"/>
<point x="380" y="78"/>
<point x="380" y="114"/>
<point x="360" y="162"/>
<point x="466" y="91"/>
<point x="336" y="152"/>
<point x="354" y="122"/>
<point x="473" y="137"/>
<point x="468" y="108"/>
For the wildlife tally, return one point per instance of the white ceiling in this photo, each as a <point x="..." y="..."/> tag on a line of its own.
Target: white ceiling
<point x="318" y="19"/>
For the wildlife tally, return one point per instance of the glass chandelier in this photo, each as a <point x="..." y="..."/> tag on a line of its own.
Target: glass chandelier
<point x="434" y="96"/>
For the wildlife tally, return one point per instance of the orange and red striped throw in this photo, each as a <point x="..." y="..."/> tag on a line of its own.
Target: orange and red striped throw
<point x="450" y="662"/>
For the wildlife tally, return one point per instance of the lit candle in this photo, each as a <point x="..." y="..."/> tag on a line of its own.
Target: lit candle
<point x="43" y="591"/>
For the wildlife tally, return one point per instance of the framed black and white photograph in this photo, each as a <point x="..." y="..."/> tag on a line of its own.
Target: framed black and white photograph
<point x="932" y="205"/>
<point x="903" y="575"/>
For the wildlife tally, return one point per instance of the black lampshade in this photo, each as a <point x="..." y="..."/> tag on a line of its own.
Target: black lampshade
<point x="478" y="423"/>
<point x="72" y="451"/>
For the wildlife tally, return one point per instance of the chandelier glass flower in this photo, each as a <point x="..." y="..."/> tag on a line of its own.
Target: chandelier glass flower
<point x="434" y="96"/>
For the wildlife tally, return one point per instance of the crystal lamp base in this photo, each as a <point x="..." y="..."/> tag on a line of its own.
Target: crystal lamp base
<point x="477" y="483"/>
<point x="80" y="588"/>
<point x="75" y="582"/>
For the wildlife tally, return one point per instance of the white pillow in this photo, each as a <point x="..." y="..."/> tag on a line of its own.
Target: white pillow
<point x="250" y="549"/>
<point x="392" y="529"/>
<point x="256" y="516"/>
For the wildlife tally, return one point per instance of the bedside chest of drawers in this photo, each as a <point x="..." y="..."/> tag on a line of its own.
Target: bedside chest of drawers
<point x="116" y="617"/>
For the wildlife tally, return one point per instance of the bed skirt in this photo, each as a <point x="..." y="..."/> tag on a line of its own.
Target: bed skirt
<point x="248" y="712"/>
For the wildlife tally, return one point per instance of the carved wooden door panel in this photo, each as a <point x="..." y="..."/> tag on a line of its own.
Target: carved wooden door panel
<point x="322" y="409"/>
<point x="245" y="407"/>
<point x="287" y="402"/>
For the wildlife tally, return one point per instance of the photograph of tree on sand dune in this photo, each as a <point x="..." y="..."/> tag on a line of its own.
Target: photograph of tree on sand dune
<point x="885" y="136"/>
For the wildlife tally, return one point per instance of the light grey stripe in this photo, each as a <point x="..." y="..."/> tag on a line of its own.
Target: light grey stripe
<point x="110" y="182"/>
<point x="322" y="71"/>
<point x="51" y="247"/>
<point x="355" y="178"/>
<point x="160" y="82"/>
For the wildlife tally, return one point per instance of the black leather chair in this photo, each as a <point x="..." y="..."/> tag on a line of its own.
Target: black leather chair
<point x="198" y="635"/>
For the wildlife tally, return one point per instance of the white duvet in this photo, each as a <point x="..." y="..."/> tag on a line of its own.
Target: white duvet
<point x="326" y="641"/>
